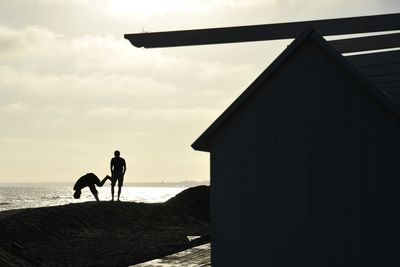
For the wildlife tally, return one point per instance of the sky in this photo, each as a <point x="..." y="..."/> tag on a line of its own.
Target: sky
<point x="73" y="90"/>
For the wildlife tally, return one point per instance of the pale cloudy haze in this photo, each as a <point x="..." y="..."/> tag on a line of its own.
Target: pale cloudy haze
<point x="72" y="89"/>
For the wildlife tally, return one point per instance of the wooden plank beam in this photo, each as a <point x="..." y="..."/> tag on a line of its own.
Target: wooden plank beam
<point x="265" y="32"/>
<point x="359" y="44"/>
<point x="376" y="72"/>
<point x="388" y="84"/>
<point x="395" y="98"/>
<point x="375" y="59"/>
<point x="392" y="91"/>
<point x="386" y="78"/>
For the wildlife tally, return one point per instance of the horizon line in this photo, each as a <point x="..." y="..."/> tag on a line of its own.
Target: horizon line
<point x="139" y="182"/>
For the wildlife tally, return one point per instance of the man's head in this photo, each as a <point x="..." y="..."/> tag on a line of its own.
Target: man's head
<point x="116" y="153"/>
<point x="77" y="194"/>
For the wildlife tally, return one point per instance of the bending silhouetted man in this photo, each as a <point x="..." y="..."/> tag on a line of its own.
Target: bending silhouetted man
<point x="89" y="180"/>
<point x="118" y="169"/>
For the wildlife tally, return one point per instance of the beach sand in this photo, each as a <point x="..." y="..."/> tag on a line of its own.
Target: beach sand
<point x="104" y="233"/>
<point x="199" y="256"/>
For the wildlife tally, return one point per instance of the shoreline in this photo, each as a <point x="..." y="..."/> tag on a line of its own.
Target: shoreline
<point x="127" y="184"/>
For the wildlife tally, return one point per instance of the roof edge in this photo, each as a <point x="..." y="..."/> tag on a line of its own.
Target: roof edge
<point x="201" y="143"/>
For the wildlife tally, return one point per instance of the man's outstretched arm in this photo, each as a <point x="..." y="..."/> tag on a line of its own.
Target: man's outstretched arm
<point x="104" y="180"/>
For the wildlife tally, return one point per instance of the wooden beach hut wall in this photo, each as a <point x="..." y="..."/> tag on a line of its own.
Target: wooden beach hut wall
<point x="305" y="164"/>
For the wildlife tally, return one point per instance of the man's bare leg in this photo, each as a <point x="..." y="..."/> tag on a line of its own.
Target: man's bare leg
<point x="112" y="192"/>
<point x="119" y="191"/>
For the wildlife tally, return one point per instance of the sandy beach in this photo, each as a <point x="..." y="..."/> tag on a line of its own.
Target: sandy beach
<point x="104" y="233"/>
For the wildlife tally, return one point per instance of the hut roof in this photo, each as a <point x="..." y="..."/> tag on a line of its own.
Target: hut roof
<point x="366" y="68"/>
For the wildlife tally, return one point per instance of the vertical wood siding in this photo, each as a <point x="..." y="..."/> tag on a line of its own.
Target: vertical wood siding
<point x="307" y="172"/>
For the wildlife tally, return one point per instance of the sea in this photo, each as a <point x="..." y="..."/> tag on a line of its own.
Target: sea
<point x="33" y="196"/>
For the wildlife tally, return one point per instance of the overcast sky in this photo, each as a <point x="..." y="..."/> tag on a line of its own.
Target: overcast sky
<point x="72" y="90"/>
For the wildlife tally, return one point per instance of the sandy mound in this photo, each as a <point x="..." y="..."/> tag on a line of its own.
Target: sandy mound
<point x="103" y="233"/>
<point x="192" y="201"/>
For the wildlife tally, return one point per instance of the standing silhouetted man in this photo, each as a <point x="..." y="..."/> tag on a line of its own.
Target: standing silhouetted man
<point x="118" y="169"/>
<point x="88" y="180"/>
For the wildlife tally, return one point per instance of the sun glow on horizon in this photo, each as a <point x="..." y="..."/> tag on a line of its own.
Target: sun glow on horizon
<point x="126" y="8"/>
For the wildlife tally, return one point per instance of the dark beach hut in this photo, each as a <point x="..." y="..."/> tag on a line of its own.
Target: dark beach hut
<point x="305" y="166"/>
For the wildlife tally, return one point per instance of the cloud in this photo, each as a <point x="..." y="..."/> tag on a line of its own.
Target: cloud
<point x="63" y="94"/>
<point x="52" y="2"/>
<point x="15" y="107"/>
<point x="161" y="8"/>
<point x="109" y="71"/>
<point x="72" y="89"/>
<point x="31" y="37"/>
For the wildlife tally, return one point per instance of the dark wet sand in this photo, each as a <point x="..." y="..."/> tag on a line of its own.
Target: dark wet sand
<point x="104" y="233"/>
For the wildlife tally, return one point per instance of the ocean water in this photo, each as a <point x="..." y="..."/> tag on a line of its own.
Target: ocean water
<point x="17" y="197"/>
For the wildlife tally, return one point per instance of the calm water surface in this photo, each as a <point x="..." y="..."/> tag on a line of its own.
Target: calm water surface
<point x="16" y="197"/>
